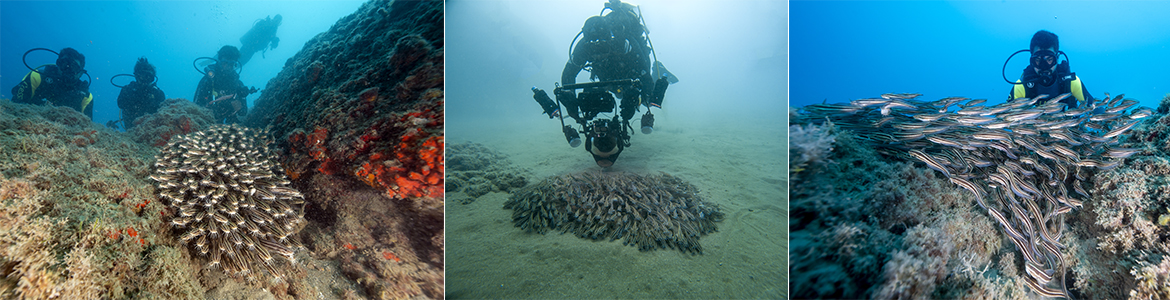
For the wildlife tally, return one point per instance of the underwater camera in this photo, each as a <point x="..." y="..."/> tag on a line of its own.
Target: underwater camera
<point x="601" y="128"/>
<point x="595" y="100"/>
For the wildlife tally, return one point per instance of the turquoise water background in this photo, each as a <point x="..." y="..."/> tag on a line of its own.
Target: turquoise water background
<point x="170" y="34"/>
<point x="844" y="50"/>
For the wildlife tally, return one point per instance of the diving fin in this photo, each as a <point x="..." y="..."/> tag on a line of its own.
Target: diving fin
<point x="661" y="71"/>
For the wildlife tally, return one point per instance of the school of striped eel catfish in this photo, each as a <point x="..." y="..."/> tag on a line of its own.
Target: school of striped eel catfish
<point x="1020" y="158"/>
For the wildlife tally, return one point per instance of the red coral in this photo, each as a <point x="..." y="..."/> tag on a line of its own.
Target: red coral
<point x="185" y="125"/>
<point x="317" y="143"/>
<point x="390" y="255"/>
<point x="315" y="71"/>
<point x="415" y="169"/>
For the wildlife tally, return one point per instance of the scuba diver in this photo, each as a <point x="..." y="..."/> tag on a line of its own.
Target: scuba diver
<point x="221" y="90"/>
<point x="1044" y="76"/>
<point x="59" y="84"/>
<point x="258" y="38"/>
<point x="141" y="96"/>
<point x="616" y="50"/>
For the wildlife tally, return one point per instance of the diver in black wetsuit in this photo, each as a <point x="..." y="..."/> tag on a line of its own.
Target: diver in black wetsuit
<point x="141" y="96"/>
<point x="613" y="47"/>
<point x="259" y="38"/>
<point x="1044" y="76"/>
<point x="59" y="84"/>
<point x="221" y="89"/>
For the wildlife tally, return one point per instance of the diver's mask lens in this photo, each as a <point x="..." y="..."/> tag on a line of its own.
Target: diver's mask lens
<point x="144" y="77"/>
<point x="1043" y="60"/>
<point x="69" y="67"/>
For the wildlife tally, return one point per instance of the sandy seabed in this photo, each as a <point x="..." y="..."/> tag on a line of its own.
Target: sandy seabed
<point x="735" y="162"/>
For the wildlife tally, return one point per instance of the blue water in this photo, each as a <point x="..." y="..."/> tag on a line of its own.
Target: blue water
<point x="844" y="50"/>
<point x="113" y="35"/>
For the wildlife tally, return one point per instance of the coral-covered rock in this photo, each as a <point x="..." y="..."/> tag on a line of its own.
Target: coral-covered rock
<point x="476" y="170"/>
<point x="864" y="226"/>
<point x="176" y="116"/>
<point x="361" y="105"/>
<point x="76" y="216"/>
<point x="365" y="100"/>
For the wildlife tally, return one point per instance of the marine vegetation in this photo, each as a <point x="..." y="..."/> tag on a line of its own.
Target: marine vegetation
<point x="77" y="220"/>
<point x="650" y="212"/>
<point x="476" y="170"/>
<point x="1026" y="162"/>
<point x="232" y="199"/>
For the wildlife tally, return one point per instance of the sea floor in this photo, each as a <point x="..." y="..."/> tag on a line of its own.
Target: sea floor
<point x="735" y="162"/>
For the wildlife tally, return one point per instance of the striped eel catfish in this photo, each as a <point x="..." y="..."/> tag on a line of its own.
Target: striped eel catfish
<point x="1019" y="159"/>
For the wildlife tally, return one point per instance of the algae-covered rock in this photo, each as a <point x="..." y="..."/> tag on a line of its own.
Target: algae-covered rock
<point x="476" y="170"/>
<point x="357" y="117"/>
<point x="78" y="218"/>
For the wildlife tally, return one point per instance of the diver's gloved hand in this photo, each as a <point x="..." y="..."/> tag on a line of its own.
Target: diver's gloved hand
<point x="253" y="90"/>
<point x="566" y="97"/>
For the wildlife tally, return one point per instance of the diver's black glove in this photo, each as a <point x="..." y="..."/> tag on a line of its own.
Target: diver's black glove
<point x="566" y="97"/>
<point x="253" y="90"/>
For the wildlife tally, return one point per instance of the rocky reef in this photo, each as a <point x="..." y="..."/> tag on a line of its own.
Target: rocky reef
<point x="231" y="199"/>
<point x="175" y="116"/>
<point x="476" y="170"/>
<point x="78" y="213"/>
<point x="866" y="217"/>
<point x="649" y="212"/>
<point x="357" y="117"/>
<point x="365" y="100"/>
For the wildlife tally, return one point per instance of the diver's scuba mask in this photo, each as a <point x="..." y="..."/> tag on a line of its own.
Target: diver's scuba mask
<point x="145" y="77"/>
<point x="1043" y="60"/>
<point x="70" y="68"/>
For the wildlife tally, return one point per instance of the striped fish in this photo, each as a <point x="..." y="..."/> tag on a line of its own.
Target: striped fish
<point x="1141" y="113"/>
<point x="1118" y="131"/>
<point x="930" y="161"/>
<point x="1121" y="107"/>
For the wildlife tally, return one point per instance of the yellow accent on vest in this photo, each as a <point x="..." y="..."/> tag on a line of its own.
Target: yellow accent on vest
<point x="1077" y="90"/>
<point x="34" y="78"/>
<point x="87" y="101"/>
<point x="1018" y="90"/>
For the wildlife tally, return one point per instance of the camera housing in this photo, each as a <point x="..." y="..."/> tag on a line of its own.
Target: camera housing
<point x="593" y="101"/>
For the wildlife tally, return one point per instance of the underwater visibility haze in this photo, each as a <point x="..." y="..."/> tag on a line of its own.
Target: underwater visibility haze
<point x="716" y="146"/>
